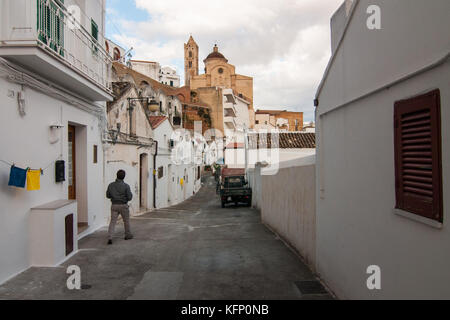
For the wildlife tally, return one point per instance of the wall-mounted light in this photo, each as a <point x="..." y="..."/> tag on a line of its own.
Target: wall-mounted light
<point x="55" y="129"/>
<point x="153" y="105"/>
<point x="56" y="126"/>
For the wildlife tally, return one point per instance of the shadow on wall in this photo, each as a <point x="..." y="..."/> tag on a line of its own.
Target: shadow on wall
<point x="291" y="213"/>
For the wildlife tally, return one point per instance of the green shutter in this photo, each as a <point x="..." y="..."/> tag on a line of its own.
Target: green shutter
<point x="94" y="33"/>
<point x="50" y="25"/>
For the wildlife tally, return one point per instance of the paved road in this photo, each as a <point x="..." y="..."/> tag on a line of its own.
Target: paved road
<point x="195" y="250"/>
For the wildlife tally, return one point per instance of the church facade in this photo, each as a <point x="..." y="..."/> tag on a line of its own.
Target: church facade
<point x="219" y="75"/>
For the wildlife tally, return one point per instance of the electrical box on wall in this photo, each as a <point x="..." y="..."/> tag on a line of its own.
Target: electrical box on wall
<point x="60" y="171"/>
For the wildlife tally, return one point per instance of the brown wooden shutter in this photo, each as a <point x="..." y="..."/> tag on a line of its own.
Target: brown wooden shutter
<point x="418" y="155"/>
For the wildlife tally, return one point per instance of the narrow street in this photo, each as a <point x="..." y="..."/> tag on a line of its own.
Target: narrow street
<point x="195" y="250"/>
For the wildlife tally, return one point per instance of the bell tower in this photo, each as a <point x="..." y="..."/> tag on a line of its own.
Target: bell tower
<point x="190" y="60"/>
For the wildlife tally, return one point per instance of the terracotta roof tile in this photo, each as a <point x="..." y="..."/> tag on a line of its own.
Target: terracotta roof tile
<point x="156" y="121"/>
<point x="235" y="145"/>
<point x="285" y="140"/>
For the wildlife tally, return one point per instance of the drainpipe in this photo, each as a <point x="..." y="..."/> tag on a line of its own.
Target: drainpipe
<point x="130" y="115"/>
<point x="154" y="173"/>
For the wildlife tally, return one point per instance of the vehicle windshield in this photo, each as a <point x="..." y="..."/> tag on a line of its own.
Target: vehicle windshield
<point x="234" y="182"/>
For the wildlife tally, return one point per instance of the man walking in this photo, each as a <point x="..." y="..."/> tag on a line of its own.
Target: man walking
<point x="120" y="194"/>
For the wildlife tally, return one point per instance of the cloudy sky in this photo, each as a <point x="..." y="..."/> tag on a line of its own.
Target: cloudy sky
<point x="284" y="45"/>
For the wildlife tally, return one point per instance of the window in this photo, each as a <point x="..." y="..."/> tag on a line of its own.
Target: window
<point x="198" y="173"/>
<point x="171" y="83"/>
<point x="190" y="54"/>
<point x="160" y="172"/>
<point x="176" y="121"/>
<point x="234" y="182"/>
<point x="116" y="56"/>
<point x="95" y="154"/>
<point x="190" y="64"/>
<point x="418" y="172"/>
<point x="94" y="33"/>
<point x="257" y="122"/>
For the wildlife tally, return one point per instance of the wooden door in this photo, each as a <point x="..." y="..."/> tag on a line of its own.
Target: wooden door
<point x="69" y="234"/>
<point x="143" y="179"/>
<point x="71" y="163"/>
<point x="141" y="184"/>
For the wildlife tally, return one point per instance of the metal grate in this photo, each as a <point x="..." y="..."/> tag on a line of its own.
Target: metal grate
<point x="310" y="287"/>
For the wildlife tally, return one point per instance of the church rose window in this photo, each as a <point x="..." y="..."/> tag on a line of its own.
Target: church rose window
<point x="220" y="70"/>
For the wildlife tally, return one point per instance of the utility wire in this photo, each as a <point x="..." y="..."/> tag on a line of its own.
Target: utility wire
<point x="44" y="169"/>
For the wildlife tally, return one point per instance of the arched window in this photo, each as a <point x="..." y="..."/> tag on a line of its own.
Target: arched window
<point x="190" y="54"/>
<point x="116" y="54"/>
<point x="190" y="64"/>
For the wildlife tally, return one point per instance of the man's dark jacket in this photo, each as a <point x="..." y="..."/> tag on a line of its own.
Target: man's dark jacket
<point x="119" y="192"/>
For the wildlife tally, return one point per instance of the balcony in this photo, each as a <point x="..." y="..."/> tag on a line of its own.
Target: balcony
<point x="42" y="37"/>
<point x="230" y="122"/>
<point x="230" y="108"/>
<point x="229" y="102"/>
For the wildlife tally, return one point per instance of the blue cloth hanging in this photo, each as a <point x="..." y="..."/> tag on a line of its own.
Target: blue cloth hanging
<point x="17" y="177"/>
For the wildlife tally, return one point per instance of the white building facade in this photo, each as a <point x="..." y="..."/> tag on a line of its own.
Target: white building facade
<point x="169" y="76"/>
<point x="383" y="174"/>
<point x="117" y="53"/>
<point x="143" y="141"/>
<point x="129" y="146"/>
<point x="53" y="88"/>
<point x="165" y="75"/>
<point x="178" y="174"/>
<point x="149" y="68"/>
<point x="236" y="116"/>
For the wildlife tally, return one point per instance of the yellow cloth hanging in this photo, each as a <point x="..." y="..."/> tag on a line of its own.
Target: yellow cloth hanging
<point x="33" y="180"/>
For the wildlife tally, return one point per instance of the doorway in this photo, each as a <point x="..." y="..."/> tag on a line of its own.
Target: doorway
<point x="170" y="181"/>
<point x="143" y="181"/>
<point x="71" y="163"/>
<point x="69" y="234"/>
<point x="76" y="167"/>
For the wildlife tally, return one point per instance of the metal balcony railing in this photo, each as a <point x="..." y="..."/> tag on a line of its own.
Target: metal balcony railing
<point x="49" y="25"/>
<point x="60" y="32"/>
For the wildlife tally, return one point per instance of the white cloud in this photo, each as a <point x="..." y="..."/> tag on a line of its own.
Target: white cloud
<point x="283" y="44"/>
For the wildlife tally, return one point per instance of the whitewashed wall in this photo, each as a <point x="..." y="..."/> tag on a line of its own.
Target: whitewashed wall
<point x="356" y="226"/>
<point x="169" y="190"/>
<point x="25" y="141"/>
<point x="286" y="199"/>
<point x="235" y="158"/>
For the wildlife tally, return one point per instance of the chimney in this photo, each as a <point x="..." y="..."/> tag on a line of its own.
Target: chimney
<point x="338" y="22"/>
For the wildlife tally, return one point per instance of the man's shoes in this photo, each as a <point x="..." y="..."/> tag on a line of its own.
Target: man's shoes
<point x="109" y="242"/>
<point x="129" y="237"/>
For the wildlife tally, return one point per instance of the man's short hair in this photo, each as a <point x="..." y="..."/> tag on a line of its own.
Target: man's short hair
<point x="121" y="174"/>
